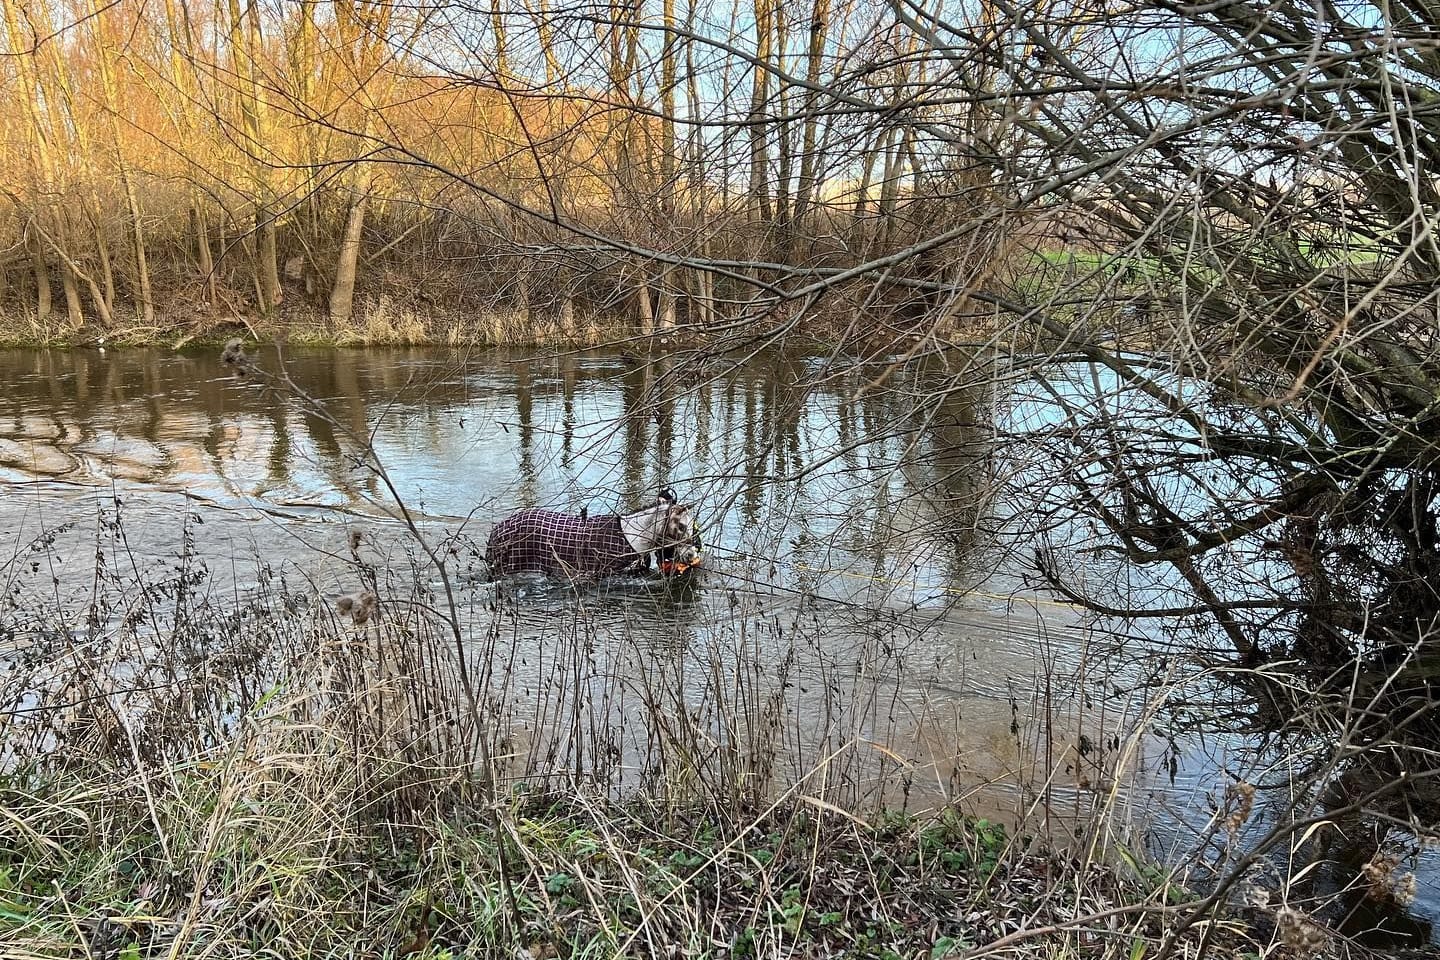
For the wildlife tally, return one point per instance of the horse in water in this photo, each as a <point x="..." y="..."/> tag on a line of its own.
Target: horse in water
<point x="563" y="544"/>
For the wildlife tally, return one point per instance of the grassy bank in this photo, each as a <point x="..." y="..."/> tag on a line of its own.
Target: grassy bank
<point x="863" y="317"/>
<point x="377" y="322"/>
<point x="244" y="854"/>
<point x="1110" y="295"/>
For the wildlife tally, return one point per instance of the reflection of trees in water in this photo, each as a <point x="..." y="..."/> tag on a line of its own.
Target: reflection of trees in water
<point x="635" y="424"/>
<point x="525" y="423"/>
<point x="959" y="480"/>
<point x="786" y="398"/>
<point x="751" y="450"/>
<point x="703" y="426"/>
<point x="347" y="390"/>
<point x="278" y="463"/>
<point x="80" y="374"/>
<point x="786" y="451"/>
<point x="330" y="452"/>
<point x="567" y="409"/>
<point x="665" y="390"/>
<point x="1311" y="560"/>
<point x="151" y="396"/>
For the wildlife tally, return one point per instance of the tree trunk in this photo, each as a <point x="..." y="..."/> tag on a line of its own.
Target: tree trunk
<point x="72" y="296"/>
<point x="668" y="71"/>
<point x="497" y="24"/>
<point x="567" y="314"/>
<point x="137" y="236"/>
<point x="42" y="273"/>
<point x="245" y="44"/>
<point x="881" y="146"/>
<point x="643" y="307"/>
<point x="695" y="156"/>
<point x="107" y="273"/>
<point x="70" y="276"/>
<point x="890" y="188"/>
<point x="38" y="153"/>
<point x="666" y="311"/>
<point x="267" y="272"/>
<point x="202" y="249"/>
<point x="104" y="294"/>
<point x="181" y="53"/>
<point x="759" y="98"/>
<point x="784" y="140"/>
<point x="547" y="44"/>
<point x="707" y="298"/>
<point x="805" y="191"/>
<point x="132" y="204"/>
<point x="102" y="307"/>
<point x="342" y="294"/>
<point x="303" y="52"/>
<point x="523" y="299"/>
<point x="896" y="155"/>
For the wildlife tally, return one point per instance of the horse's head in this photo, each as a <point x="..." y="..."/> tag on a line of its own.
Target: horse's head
<point x="677" y="536"/>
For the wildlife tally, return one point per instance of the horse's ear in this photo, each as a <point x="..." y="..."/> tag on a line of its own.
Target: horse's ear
<point x="667" y="495"/>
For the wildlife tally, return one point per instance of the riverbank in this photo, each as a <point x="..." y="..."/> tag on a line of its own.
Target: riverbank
<point x="377" y="323"/>
<point x="244" y="854"/>
<point x="382" y="322"/>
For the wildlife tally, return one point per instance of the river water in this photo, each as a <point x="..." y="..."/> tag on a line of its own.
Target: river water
<point x="883" y="539"/>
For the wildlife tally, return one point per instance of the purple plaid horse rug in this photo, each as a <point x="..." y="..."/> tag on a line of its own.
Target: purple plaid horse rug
<point x="563" y="544"/>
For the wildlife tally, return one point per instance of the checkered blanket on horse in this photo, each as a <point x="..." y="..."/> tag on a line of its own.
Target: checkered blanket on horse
<point x="559" y="543"/>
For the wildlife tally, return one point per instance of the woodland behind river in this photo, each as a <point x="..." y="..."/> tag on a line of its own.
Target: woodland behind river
<point x="197" y="162"/>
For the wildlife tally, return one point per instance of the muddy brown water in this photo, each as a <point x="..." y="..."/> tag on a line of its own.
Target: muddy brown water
<point x="838" y="523"/>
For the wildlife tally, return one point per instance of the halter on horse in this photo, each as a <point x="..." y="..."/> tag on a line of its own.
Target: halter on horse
<point x="582" y="546"/>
